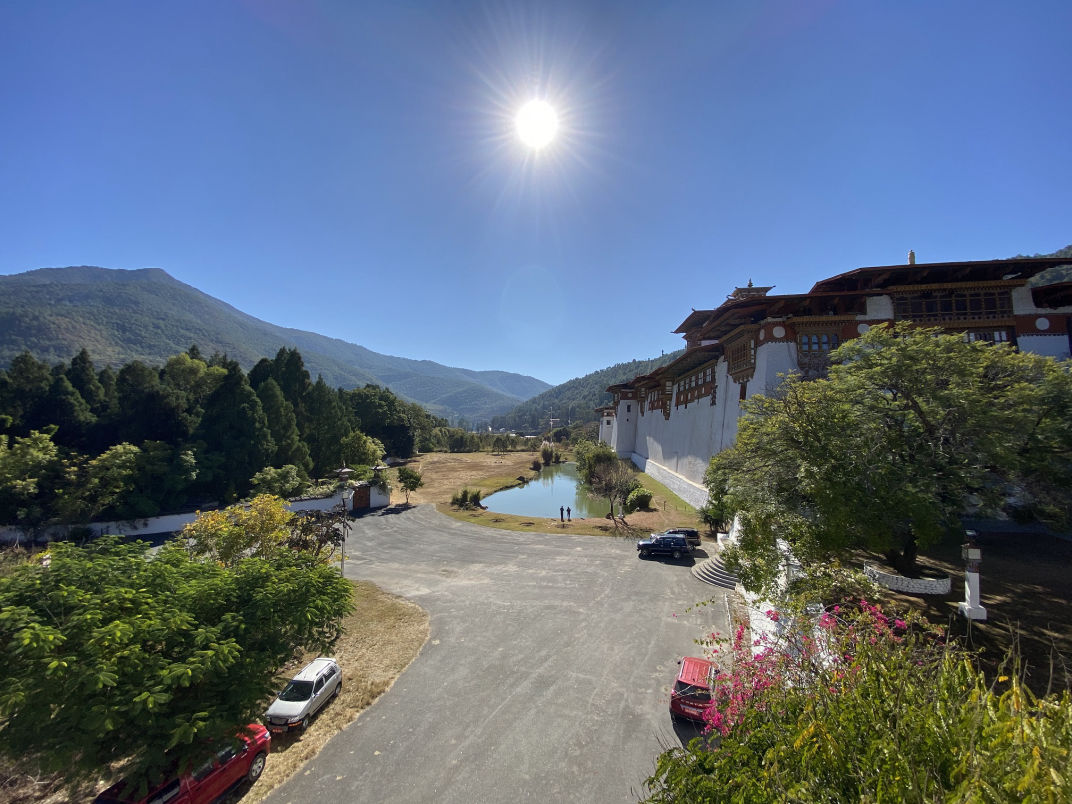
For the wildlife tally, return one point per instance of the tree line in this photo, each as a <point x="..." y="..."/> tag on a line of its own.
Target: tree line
<point x="79" y="443"/>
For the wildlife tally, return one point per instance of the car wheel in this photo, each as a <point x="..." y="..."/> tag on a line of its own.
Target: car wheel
<point x="305" y="722"/>
<point x="256" y="767"/>
<point x="338" y="689"/>
<point x="643" y="553"/>
<point x="677" y="554"/>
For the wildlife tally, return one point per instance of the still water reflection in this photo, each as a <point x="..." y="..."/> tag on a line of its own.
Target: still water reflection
<point x="556" y="486"/>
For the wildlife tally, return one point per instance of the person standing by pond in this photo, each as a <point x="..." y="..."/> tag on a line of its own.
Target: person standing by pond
<point x="561" y="514"/>
<point x="569" y="512"/>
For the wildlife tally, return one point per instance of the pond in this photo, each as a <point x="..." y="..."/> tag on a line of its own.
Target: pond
<point x="556" y="486"/>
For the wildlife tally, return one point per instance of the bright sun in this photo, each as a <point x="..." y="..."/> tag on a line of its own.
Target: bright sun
<point x="537" y="124"/>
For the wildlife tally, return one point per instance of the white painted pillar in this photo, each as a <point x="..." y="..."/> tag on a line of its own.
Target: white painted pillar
<point x="971" y="607"/>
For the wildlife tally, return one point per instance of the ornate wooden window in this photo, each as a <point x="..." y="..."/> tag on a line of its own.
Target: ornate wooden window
<point x="934" y="306"/>
<point x="997" y="335"/>
<point x="813" y="351"/>
<point x="816" y="342"/>
<point x="741" y="357"/>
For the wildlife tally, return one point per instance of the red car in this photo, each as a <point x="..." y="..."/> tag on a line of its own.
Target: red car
<point x="207" y="782"/>
<point x="692" y="689"/>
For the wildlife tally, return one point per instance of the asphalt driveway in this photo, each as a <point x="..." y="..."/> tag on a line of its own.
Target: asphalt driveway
<point x="545" y="678"/>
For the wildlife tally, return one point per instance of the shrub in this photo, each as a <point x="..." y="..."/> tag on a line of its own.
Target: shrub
<point x="638" y="499"/>
<point x="536" y="466"/>
<point x="466" y="499"/>
<point x="284" y="481"/>
<point x="854" y="705"/>
<point x="547" y="453"/>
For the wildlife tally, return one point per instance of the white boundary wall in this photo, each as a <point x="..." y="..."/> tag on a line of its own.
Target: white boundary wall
<point x="173" y="522"/>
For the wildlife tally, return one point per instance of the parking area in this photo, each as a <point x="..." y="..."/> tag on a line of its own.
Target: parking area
<point x="546" y="676"/>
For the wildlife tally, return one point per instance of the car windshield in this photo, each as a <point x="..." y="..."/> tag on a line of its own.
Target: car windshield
<point x="690" y="691"/>
<point x="297" y="691"/>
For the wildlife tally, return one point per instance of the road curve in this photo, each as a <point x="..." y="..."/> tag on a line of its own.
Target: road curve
<point x="545" y="677"/>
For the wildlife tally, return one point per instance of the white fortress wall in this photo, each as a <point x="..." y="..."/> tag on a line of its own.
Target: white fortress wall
<point x="726" y="410"/>
<point x="606" y="429"/>
<point x="774" y="361"/>
<point x="1023" y="303"/>
<point x="878" y="307"/>
<point x="692" y="493"/>
<point x="625" y="424"/>
<point x="1048" y="345"/>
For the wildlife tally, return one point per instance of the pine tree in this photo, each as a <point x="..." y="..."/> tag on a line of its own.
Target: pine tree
<point x="289" y="448"/>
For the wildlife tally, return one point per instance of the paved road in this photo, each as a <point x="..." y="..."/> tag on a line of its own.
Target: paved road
<point x="545" y="677"/>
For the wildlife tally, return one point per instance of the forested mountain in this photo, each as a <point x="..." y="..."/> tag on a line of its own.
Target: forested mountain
<point x="576" y="400"/>
<point x="147" y="315"/>
<point x="1060" y="273"/>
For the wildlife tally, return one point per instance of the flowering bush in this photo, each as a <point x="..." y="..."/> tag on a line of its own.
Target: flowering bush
<point x="852" y="704"/>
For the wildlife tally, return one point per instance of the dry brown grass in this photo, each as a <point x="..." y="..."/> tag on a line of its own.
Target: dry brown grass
<point x="445" y="474"/>
<point x="383" y="635"/>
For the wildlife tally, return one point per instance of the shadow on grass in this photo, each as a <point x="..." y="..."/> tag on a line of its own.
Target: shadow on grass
<point x="1025" y="583"/>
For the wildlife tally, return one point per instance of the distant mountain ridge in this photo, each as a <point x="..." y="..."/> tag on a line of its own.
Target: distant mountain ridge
<point x="148" y="315"/>
<point x="577" y="400"/>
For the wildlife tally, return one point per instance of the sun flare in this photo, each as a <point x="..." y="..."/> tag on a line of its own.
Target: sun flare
<point x="537" y="124"/>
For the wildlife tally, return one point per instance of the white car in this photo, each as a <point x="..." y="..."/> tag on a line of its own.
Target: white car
<point x="304" y="696"/>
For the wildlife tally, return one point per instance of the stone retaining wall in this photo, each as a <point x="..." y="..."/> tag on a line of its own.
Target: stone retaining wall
<point x="912" y="586"/>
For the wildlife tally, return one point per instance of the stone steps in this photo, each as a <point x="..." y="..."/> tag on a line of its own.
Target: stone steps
<point x="712" y="571"/>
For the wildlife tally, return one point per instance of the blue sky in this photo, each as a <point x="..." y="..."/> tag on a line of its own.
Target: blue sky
<point x="352" y="168"/>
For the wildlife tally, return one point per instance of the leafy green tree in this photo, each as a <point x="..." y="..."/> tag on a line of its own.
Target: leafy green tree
<point x="326" y="425"/>
<point x="380" y="414"/>
<point x="547" y="453"/>
<point x="95" y="487"/>
<point x="23" y="388"/>
<point x="162" y="477"/>
<point x="83" y="376"/>
<point x="283" y="425"/>
<point x="591" y="458"/>
<point x="860" y="706"/>
<point x="289" y="372"/>
<point x="149" y="409"/>
<point x="283" y="481"/>
<point x="31" y="473"/>
<point x="142" y="658"/>
<point x="410" y="480"/>
<point x="258" y="529"/>
<point x="234" y="442"/>
<point x="616" y="482"/>
<point x="194" y="378"/>
<point x="911" y="430"/>
<point x="360" y="450"/>
<point x="110" y="401"/>
<point x="638" y="499"/>
<point x="64" y="407"/>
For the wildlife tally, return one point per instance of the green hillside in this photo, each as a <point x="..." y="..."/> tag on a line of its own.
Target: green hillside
<point x="147" y="315"/>
<point x="1059" y="273"/>
<point x="577" y="399"/>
